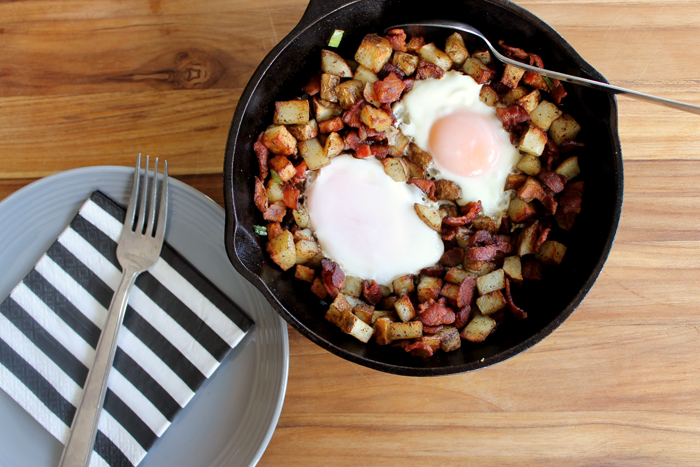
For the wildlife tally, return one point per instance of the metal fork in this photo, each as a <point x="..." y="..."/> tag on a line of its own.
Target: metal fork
<point x="138" y="250"/>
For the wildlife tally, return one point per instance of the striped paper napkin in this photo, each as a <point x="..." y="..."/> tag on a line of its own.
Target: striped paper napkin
<point x="177" y="329"/>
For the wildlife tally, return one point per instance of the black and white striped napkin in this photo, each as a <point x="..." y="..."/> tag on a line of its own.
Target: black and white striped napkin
<point x="177" y="329"/>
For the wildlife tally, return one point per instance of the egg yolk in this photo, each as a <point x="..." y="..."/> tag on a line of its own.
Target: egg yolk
<point x="464" y="143"/>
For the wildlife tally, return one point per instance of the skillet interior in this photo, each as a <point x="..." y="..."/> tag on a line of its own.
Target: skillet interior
<point x="548" y="303"/>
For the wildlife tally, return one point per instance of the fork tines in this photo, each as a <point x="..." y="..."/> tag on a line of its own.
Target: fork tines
<point x="144" y="206"/>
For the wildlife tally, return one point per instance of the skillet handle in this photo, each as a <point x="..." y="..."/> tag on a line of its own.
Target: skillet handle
<point x="317" y="9"/>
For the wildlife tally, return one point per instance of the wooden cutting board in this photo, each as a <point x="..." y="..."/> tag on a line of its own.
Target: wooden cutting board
<point x="93" y="83"/>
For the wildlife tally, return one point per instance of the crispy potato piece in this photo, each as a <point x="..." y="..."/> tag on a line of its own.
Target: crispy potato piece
<point x="328" y="84"/>
<point x="318" y="288"/>
<point x="515" y="181"/>
<point x="455" y="48"/>
<point x="481" y="73"/>
<point x="370" y="96"/>
<point x="273" y="190"/>
<point x="449" y="338"/>
<point x="279" y="140"/>
<point x="365" y="75"/>
<point x="530" y="190"/>
<point x="303" y="234"/>
<point x="519" y="210"/>
<point x="410" y="330"/>
<point x="374" y="52"/>
<point x="334" y="64"/>
<point x="432" y="54"/>
<point x="304" y="273"/>
<point x="382" y="331"/>
<point x="478" y="268"/>
<point x="349" y="92"/>
<point x="527" y="239"/>
<point x="551" y="252"/>
<point x="478" y="328"/>
<point x="334" y="145"/>
<point x="495" y="280"/>
<point x="403" y="285"/>
<point x="533" y="141"/>
<point x="284" y="168"/>
<point x="382" y="314"/>
<point x="398" y="142"/>
<point x="489" y="96"/>
<point x="569" y="168"/>
<point x="314" y="154"/>
<point x="448" y="190"/>
<point x="450" y="292"/>
<point x="405" y="62"/>
<point x="486" y="223"/>
<point x="430" y="216"/>
<point x="294" y="112"/>
<point x="304" y="131"/>
<point x="529" y="164"/>
<point x="364" y="312"/>
<point x="306" y="250"/>
<point x="513" y="96"/>
<point x="351" y="324"/>
<point x="301" y="216"/>
<point x="419" y="157"/>
<point x="513" y="267"/>
<point x="352" y="287"/>
<point x="530" y="101"/>
<point x="396" y="168"/>
<point x="282" y="250"/>
<point x="564" y="129"/>
<point x="325" y="110"/>
<point x="544" y="114"/>
<point x="429" y="288"/>
<point x="404" y="308"/>
<point x="511" y="76"/>
<point x="455" y="275"/>
<point x="375" y="118"/>
<point x="491" y="302"/>
<point x="483" y="55"/>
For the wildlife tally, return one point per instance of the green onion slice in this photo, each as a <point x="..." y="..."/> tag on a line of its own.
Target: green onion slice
<point x="336" y="38"/>
<point x="260" y="230"/>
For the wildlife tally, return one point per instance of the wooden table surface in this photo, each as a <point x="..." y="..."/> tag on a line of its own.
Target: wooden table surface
<point x="95" y="82"/>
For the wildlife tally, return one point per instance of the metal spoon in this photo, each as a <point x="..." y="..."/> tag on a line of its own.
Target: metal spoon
<point x="551" y="74"/>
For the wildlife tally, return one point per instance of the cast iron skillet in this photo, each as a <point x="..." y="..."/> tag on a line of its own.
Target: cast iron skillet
<point x="548" y="303"/>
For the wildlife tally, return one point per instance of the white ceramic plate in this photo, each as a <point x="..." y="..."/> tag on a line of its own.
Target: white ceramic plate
<point x="230" y="420"/>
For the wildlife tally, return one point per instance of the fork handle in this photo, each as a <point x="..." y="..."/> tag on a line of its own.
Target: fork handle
<point x="78" y="449"/>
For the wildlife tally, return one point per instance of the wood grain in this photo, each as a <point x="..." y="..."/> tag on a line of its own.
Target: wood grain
<point x="94" y="82"/>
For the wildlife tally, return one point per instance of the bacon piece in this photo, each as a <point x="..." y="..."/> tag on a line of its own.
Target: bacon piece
<point x="470" y="212"/>
<point x="461" y="317"/>
<point x="428" y="70"/>
<point x="353" y="140"/>
<point x="332" y="276"/>
<point x="415" y="43"/>
<point x="364" y="152"/>
<point x="553" y="180"/>
<point x="518" y="313"/>
<point x="352" y="116"/>
<point x="397" y="39"/>
<point x="452" y="257"/>
<point x="514" y="52"/>
<point x="389" y="89"/>
<point x="329" y="126"/>
<point x="482" y="236"/>
<point x="408" y="83"/>
<point x="432" y="329"/>
<point x="550" y="155"/>
<point x="301" y="172"/>
<point x="558" y="92"/>
<point x="532" y="269"/>
<point x="544" y="233"/>
<point x="437" y="313"/>
<point x="420" y="349"/>
<point x="371" y="292"/>
<point x="433" y="271"/>
<point x="313" y="87"/>
<point x="290" y="195"/>
<point x="263" y="153"/>
<point x="260" y="196"/>
<point x="447" y="232"/>
<point x="571" y="198"/>
<point x="511" y="116"/>
<point x="465" y="294"/>
<point x="549" y="203"/>
<point x="275" y="212"/>
<point x="426" y="186"/>
<point x="380" y="151"/>
<point x="487" y="252"/>
<point x="387" y="70"/>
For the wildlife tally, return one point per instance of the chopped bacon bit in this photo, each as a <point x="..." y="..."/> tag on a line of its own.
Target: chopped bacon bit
<point x="397" y="39"/>
<point x="531" y="191"/>
<point x="549" y="203"/>
<point x="518" y="313"/>
<point x="482" y="236"/>
<point x="550" y="155"/>
<point x="275" y="212"/>
<point x="437" y="313"/>
<point x="301" y="172"/>
<point x="452" y="257"/>
<point x="462" y="317"/>
<point x="402" y="344"/>
<point x="553" y="180"/>
<point x="290" y="195"/>
<point x="532" y="269"/>
<point x="432" y="329"/>
<point x="544" y="233"/>
<point x="426" y="186"/>
<point x="353" y="140"/>
<point x="506" y="225"/>
<point x="428" y="70"/>
<point x="388" y="69"/>
<point x="332" y="276"/>
<point x="511" y="116"/>
<point x="514" y="52"/>
<point x="415" y="43"/>
<point x="263" y="153"/>
<point x="352" y="115"/>
<point x="380" y="151"/>
<point x="371" y="292"/>
<point x="273" y="230"/>
<point x="535" y="60"/>
<point x="329" y="126"/>
<point x="487" y="252"/>
<point x="408" y="83"/>
<point x="260" y="195"/>
<point x="389" y="89"/>
<point x="420" y="349"/>
<point x="466" y="292"/>
<point x="447" y="232"/>
<point x="313" y="87"/>
<point x="558" y="92"/>
<point x="434" y="271"/>
<point x="536" y="81"/>
<point x="470" y="212"/>
<point x="571" y="198"/>
<point x="363" y="152"/>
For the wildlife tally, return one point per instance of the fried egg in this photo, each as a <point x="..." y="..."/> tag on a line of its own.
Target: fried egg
<point x="467" y="141"/>
<point x="366" y="222"/>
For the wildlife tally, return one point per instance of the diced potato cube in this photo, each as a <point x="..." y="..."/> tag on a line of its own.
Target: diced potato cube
<point x="306" y="250"/>
<point x="530" y="101"/>
<point x="515" y="181"/>
<point x="398" y="142"/>
<point x="447" y="190"/>
<point x="370" y="96"/>
<point x="303" y="234"/>
<point x="375" y="118"/>
<point x="511" y="76"/>
<point x="396" y="168"/>
<point x="349" y="92"/>
<point x="429" y="288"/>
<point x="489" y="96"/>
<point x="551" y="252"/>
<point x="431" y="340"/>
<point x="353" y="286"/>
<point x="450" y="292"/>
<point x="429" y="215"/>
<point x="328" y="84"/>
<point x="284" y="168"/>
<point x="569" y="168"/>
<point x="294" y="112"/>
<point x="319" y="289"/>
<point x="530" y="190"/>
<point x="456" y="275"/>
<point x="513" y="267"/>
<point x="405" y="62"/>
<point x="486" y="223"/>
<point x="282" y="250"/>
<point x="304" y="131"/>
<point x="410" y="330"/>
<point x="279" y="140"/>
<point x="304" y="273"/>
<point x="325" y="110"/>
<point x="478" y="268"/>
<point x="301" y="216"/>
<point x="483" y="55"/>
<point x="274" y="192"/>
<point x="478" y="328"/>
<point x="527" y="239"/>
<point x="519" y="210"/>
<point x="374" y="52"/>
<point x="544" y="114"/>
<point x="364" y="312"/>
<point x="564" y="129"/>
<point x="455" y="48"/>
<point x="404" y="308"/>
<point x="314" y="154"/>
<point x="432" y="54"/>
<point x="491" y="302"/>
<point x="334" y="145"/>
<point x="340" y="314"/>
<point x="334" y="64"/>
<point x="476" y="69"/>
<point x="421" y="158"/>
<point x="490" y="282"/>
<point x="382" y="331"/>
<point x="530" y="164"/>
<point x="403" y="285"/>
<point x="449" y="339"/>
<point x="365" y="75"/>
<point x="381" y="314"/>
<point x="513" y="96"/>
